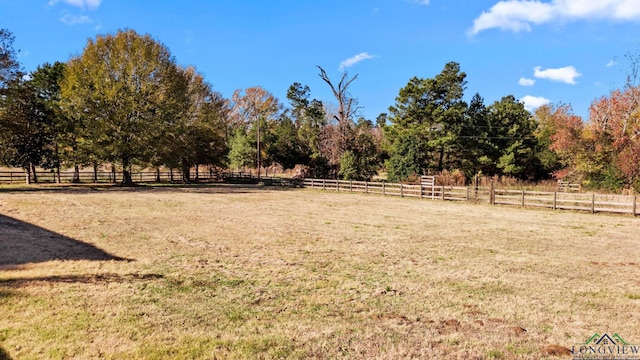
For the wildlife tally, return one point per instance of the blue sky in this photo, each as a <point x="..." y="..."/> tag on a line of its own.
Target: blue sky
<point x="569" y="51"/>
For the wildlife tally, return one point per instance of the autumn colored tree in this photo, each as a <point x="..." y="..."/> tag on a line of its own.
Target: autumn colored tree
<point x="561" y="133"/>
<point x="615" y="123"/>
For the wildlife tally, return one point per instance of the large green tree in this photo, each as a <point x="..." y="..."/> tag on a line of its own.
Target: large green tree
<point x="512" y="133"/>
<point x="45" y="81"/>
<point x="477" y="150"/>
<point x="193" y="130"/>
<point x="309" y="118"/>
<point x="362" y="161"/>
<point x="24" y="128"/>
<point x="429" y="115"/>
<point x="124" y="86"/>
<point x="9" y="65"/>
<point x="286" y="148"/>
<point x="241" y="152"/>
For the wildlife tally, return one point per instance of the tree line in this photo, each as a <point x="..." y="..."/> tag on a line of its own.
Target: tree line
<point x="126" y="101"/>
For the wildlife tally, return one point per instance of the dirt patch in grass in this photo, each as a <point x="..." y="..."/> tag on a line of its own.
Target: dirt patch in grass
<point x="252" y="272"/>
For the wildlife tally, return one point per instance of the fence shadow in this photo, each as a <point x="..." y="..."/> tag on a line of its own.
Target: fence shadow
<point x="24" y="243"/>
<point x="212" y="188"/>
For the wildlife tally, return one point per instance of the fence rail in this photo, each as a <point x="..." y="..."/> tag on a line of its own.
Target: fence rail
<point x="622" y="204"/>
<point x="17" y="177"/>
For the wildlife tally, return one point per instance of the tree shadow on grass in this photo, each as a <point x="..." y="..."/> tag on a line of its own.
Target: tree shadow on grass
<point x="4" y="355"/>
<point x="24" y="243"/>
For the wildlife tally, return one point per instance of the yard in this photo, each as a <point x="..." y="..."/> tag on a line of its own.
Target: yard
<point x="241" y="272"/>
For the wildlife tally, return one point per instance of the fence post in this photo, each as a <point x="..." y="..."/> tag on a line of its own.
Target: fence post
<point x="522" y="198"/>
<point x="366" y="187"/>
<point x="492" y="194"/>
<point x="324" y="186"/>
<point x="468" y="194"/>
<point x="443" y="193"/>
<point x="420" y="189"/>
<point x="555" y="200"/>
<point x="351" y="185"/>
<point x="593" y="203"/>
<point x="401" y="190"/>
<point x="383" y="190"/>
<point x="338" y="185"/>
<point x="635" y="198"/>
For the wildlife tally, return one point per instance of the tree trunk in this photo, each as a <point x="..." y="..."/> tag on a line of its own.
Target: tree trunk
<point x="158" y="175"/>
<point x="57" y="166"/>
<point x="95" y="172"/>
<point x="35" y="175"/>
<point x="186" y="172"/>
<point x="197" y="172"/>
<point x="27" y="174"/>
<point x="126" y="173"/>
<point x="171" y="174"/>
<point x="113" y="173"/>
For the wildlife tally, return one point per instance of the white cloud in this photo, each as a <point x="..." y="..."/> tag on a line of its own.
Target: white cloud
<point x="354" y="60"/>
<point x="419" y="2"/>
<point x="612" y="63"/>
<point x="526" y="82"/>
<point x="533" y="102"/>
<point x="519" y="15"/>
<point x="69" y="19"/>
<point x="83" y="4"/>
<point x="566" y="74"/>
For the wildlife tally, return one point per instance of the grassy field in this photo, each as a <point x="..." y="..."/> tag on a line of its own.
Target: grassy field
<point x="228" y="272"/>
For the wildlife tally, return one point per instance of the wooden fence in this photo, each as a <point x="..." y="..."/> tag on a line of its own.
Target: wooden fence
<point x="19" y="177"/>
<point x="553" y="200"/>
<point x="622" y="204"/>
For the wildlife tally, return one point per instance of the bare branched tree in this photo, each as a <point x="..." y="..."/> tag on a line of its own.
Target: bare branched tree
<point x="339" y="138"/>
<point x="347" y="104"/>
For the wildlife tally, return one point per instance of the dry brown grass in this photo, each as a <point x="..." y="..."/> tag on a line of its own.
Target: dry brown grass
<point x="249" y="272"/>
